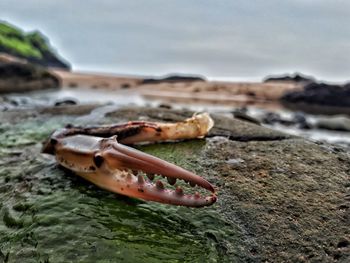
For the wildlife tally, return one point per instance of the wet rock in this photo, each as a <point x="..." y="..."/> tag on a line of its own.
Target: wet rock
<point x="337" y="123"/>
<point x="280" y="198"/>
<point x="19" y="77"/>
<point x="297" y="120"/>
<point x="274" y="117"/>
<point x="300" y="119"/>
<point x="65" y="102"/>
<point x="243" y="115"/>
<point x="271" y="118"/>
<point x="165" y="106"/>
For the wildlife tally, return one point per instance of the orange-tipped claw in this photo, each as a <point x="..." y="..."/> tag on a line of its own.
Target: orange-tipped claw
<point x="117" y="158"/>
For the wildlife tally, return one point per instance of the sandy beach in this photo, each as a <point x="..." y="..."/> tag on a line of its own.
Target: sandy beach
<point x="184" y="91"/>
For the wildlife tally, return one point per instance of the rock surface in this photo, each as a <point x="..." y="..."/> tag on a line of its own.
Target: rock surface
<point x="281" y="198"/>
<point x="20" y="77"/>
<point x="32" y="46"/>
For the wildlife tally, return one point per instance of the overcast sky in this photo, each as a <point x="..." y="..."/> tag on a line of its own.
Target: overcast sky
<point x="216" y="38"/>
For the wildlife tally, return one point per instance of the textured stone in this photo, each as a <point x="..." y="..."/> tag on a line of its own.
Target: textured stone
<point x="280" y="198"/>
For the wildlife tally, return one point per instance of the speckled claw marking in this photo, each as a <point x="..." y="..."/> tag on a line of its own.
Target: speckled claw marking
<point x="98" y="155"/>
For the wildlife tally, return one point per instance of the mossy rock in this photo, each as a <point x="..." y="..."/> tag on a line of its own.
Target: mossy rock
<point x="32" y="46"/>
<point x="280" y="198"/>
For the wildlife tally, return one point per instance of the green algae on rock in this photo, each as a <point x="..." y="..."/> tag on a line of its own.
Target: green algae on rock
<point x="32" y="46"/>
<point x="48" y="209"/>
<point x="280" y="198"/>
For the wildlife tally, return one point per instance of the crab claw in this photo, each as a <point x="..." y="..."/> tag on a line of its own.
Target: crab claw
<point x="95" y="154"/>
<point x="118" y="165"/>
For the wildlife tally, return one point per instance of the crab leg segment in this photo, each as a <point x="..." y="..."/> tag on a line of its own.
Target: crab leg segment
<point x="196" y="127"/>
<point x="141" y="131"/>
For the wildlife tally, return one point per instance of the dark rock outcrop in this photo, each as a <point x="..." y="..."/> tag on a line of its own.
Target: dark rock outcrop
<point x="173" y="79"/>
<point x="32" y="46"/>
<point x="21" y="77"/>
<point x="321" y="94"/>
<point x="296" y="77"/>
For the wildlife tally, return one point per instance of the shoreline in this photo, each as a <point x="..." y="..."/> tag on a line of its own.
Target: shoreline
<point x="210" y="91"/>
